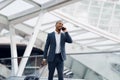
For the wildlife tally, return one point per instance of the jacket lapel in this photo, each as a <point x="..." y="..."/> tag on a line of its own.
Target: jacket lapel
<point x="54" y="39"/>
<point x="61" y="38"/>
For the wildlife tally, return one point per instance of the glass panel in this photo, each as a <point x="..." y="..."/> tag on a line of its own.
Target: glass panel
<point x="106" y="16"/>
<point x="78" y="66"/>
<point x="117" y="6"/>
<point x="107" y="11"/>
<point x="95" y="9"/>
<point x="86" y="2"/>
<point x="70" y="27"/>
<point x="15" y="7"/>
<point x="74" y="33"/>
<point x="51" y="27"/>
<point x="50" y="30"/>
<point x="47" y="19"/>
<point x="50" y="18"/>
<point x="108" y="5"/>
<point x="115" y="29"/>
<point x="32" y="22"/>
<point x="100" y="63"/>
<point x="117" y="12"/>
<point x="94" y="12"/>
<point x="104" y="21"/>
<point x="93" y="21"/>
<point x="104" y="27"/>
<point x="48" y="27"/>
<point x="118" y="17"/>
<point x="96" y="3"/>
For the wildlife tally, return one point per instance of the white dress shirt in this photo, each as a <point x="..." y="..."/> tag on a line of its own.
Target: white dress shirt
<point x="57" y="37"/>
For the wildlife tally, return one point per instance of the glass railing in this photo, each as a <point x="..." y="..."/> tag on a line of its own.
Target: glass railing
<point x="78" y="66"/>
<point x="95" y="65"/>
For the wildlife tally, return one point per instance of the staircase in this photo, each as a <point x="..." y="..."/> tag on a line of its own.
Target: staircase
<point x="100" y="63"/>
<point x="4" y="71"/>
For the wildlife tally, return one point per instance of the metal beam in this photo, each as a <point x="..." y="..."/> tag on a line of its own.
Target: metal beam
<point x="76" y="30"/>
<point x="100" y="45"/>
<point x="5" y="3"/>
<point x="3" y="20"/>
<point x="33" y="3"/>
<point x="30" y="45"/>
<point x="52" y="5"/>
<point x="24" y="15"/>
<point x="52" y="22"/>
<point x="87" y="39"/>
<point x="113" y="48"/>
<point x="96" y="41"/>
<point x="86" y="26"/>
<point x="26" y="30"/>
<point x="13" y="50"/>
<point x="52" y="26"/>
<point x="81" y="31"/>
<point x="33" y="12"/>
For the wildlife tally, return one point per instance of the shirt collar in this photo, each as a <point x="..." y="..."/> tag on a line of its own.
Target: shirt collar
<point x="57" y="32"/>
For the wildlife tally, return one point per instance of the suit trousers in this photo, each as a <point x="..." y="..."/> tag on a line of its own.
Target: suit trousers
<point x="57" y="63"/>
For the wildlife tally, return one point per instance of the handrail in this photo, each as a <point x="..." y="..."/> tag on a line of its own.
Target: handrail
<point x="96" y="52"/>
<point x="81" y="53"/>
<point x="21" y="57"/>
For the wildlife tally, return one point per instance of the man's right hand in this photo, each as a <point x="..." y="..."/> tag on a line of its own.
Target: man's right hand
<point x="44" y="62"/>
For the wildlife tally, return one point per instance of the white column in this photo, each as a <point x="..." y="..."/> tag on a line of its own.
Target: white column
<point x="30" y="45"/>
<point x="13" y="50"/>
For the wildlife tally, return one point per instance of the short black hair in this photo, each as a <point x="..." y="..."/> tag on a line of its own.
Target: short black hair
<point x="58" y="21"/>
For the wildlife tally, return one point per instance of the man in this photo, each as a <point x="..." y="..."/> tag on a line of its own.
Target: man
<point x="54" y="52"/>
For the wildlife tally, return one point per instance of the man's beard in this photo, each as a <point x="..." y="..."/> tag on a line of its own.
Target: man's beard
<point x="59" y="29"/>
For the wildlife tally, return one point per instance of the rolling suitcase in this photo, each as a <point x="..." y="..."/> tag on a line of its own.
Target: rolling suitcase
<point x="31" y="78"/>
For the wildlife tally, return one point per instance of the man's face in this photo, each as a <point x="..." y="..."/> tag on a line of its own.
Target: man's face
<point x="59" y="25"/>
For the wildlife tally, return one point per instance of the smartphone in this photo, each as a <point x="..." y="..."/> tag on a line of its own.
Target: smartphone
<point x="63" y="28"/>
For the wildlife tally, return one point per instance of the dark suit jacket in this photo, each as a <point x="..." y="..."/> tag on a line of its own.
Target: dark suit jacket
<point x="50" y="46"/>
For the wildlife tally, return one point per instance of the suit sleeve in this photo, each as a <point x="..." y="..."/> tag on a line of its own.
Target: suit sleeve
<point x="46" y="47"/>
<point x="68" y="37"/>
